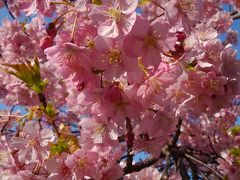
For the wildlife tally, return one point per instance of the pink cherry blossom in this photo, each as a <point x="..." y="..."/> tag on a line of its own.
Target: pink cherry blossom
<point x="83" y="163"/>
<point x="58" y="168"/>
<point x="149" y="40"/>
<point x="100" y="130"/>
<point x="119" y="17"/>
<point x="35" y="6"/>
<point x="119" y="89"/>
<point x="68" y="58"/>
<point x="214" y="84"/>
<point x="33" y="145"/>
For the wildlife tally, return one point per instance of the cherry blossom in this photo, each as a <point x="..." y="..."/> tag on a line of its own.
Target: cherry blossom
<point x="83" y="163"/>
<point x="33" y="143"/>
<point x="119" y="17"/>
<point x="119" y="89"/>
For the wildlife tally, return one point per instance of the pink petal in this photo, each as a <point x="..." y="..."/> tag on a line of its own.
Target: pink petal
<point x="108" y="31"/>
<point x="31" y="129"/>
<point x="127" y="23"/>
<point x="128" y="6"/>
<point x="103" y="44"/>
<point x="133" y="46"/>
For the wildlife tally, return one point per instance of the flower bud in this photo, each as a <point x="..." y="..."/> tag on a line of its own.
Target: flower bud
<point x="181" y="36"/>
<point x="46" y="42"/>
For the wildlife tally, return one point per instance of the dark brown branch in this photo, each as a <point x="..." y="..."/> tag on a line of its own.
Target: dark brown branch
<point x="237" y="16"/>
<point x="183" y="170"/>
<point x="178" y="133"/>
<point x="42" y="99"/>
<point x="234" y="13"/>
<point x="203" y="176"/>
<point x="139" y="166"/>
<point x="166" y="169"/>
<point x="157" y="4"/>
<point x="129" y="141"/>
<point x="194" y="170"/>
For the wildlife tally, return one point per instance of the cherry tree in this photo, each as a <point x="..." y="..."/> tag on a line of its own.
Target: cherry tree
<point x="119" y="89"/>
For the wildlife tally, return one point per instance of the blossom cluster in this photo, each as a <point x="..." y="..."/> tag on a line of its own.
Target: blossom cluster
<point x="114" y="78"/>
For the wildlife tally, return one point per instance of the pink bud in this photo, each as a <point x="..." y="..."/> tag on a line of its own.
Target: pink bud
<point x="181" y="36"/>
<point x="46" y="42"/>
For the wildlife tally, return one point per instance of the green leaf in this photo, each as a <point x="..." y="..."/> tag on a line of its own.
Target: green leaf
<point x="28" y="73"/>
<point x="50" y="110"/>
<point x="36" y="89"/>
<point x="235" y="151"/>
<point x="60" y="147"/>
<point x="235" y="130"/>
<point x="191" y="67"/>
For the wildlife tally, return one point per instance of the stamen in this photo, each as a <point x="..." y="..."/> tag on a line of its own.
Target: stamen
<point x="82" y="163"/>
<point x="151" y="41"/>
<point x="115" y="56"/>
<point x="115" y="14"/>
<point x="214" y="84"/>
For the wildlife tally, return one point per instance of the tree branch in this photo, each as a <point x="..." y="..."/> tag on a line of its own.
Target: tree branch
<point x="5" y="125"/>
<point x="178" y="133"/>
<point x="139" y="166"/>
<point x="43" y="100"/>
<point x="129" y="141"/>
<point x="205" y="165"/>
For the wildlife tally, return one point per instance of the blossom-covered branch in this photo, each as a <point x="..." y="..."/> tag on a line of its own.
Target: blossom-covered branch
<point x="119" y="89"/>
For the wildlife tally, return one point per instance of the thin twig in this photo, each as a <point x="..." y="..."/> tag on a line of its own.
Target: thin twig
<point x="129" y="141"/>
<point x="178" y="133"/>
<point x="139" y="166"/>
<point x="204" y="164"/>
<point x="154" y="2"/>
<point x="42" y="99"/>
<point x="236" y="16"/>
<point x="9" y="118"/>
<point x="203" y="176"/>
<point x="165" y="174"/>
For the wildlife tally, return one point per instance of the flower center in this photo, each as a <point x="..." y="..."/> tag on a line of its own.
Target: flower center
<point x="155" y="86"/>
<point x="32" y="142"/>
<point x="187" y="6"/>
<point x="115" y="56"/>
<point x="90" y="44"/>
<point x="151" y="41"/>
<point x="67" y="57"/>
<point x="115" y="14"/>
<point x="212" y="55"/>
<point x="100" y="129"/>
<point x="81" y="163"/>
<point x="214" y="84"/>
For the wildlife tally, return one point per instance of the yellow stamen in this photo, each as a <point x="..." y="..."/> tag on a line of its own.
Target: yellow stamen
<point x="115" y="56"/>
<point x="115" y="14"/>
<point x="214" y="84"/>
<point x="82" y="163"/>
<point x="151" y="41"/>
